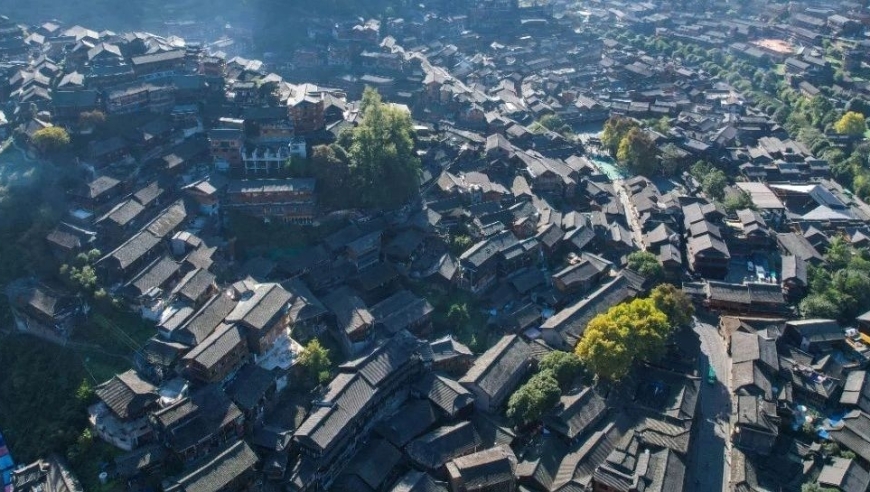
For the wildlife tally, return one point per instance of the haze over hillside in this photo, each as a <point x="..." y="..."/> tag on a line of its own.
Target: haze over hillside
<point x="267" y="18"/>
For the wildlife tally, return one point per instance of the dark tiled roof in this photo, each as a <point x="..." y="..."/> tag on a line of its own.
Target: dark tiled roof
<point x="845" y="474"/>
<point x="817" y="330"/>
<point x="400" y="310"/>
<point x="722" y="291"/>
<point x="134" y="248"/>
<point x="260" y="310"/>
<point x="436" y="448"/>
<point x="417" y="481"/>
<point x="64" y="239"/>
<point x="448" y="347"/>
<point x="350" y="311"/>
<point x="127" y="395"/>
<point x="411" y="420"/>
<point x="101" y="185"/>
<point x="444" y="393"/>
<point x="571" y="321"/>
<point x="197" y="417"/>
<point x="161" y="353"/>
<point x="485" y="469"/>
<point x="218" y="472"/>
<point x="404" y="244"/>
<point x="797" y="245"/>
<point x="169" y="219"/>
<point x="196" y="283"/>
<point x="148" y="194"/>
<point x="250" y="386"/>
<point x="580" y="462"/>
<point x="372" y="465"/>
<point x="853" y="432"/>
<point x="576" y="413"/>
<point x="498" y="365"/>
<point x="154" y="275"/>
<point x="130" y="464"/>
<point x="203" y="323"/>
<point x="577" y="273"/>
<point x="794" y="268"/>
<point x="856" y="391"/>
<point x="541" y="462"/>
<point x="216" y="346"/>
<point x="755" y="348"/>
<point x="346" y="397"/>
<point x="122" y="213"/>
<point x="387" y="359"/>
<point x="303" y="305"/>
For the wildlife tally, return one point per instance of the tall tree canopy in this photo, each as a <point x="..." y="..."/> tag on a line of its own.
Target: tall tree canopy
<point x="315" y="363"/>
<point x="674" y="303"/>
<point x="615" y="339"/>
<point x="841" y="288"/>
<point x="615" y="129"/>
<point x="373" y="165"/>
<point x="646" y="264"/>
<point x="852" y="124"/>
<point x="638" y="153"/>
<point x="529" y="402"/>
<point x="565" y="366"/>
<point x="51" y="139"/>
<point x="382" y="154"/>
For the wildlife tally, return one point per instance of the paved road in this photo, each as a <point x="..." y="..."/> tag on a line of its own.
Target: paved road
<point x="630" y="213"/>
<point x="709" y="467"/>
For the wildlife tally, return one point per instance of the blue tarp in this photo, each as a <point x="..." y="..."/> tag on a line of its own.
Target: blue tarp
<point x="6" y="462"/>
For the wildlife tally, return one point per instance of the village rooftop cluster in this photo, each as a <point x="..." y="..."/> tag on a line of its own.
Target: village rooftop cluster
<point x="533" y="228"/>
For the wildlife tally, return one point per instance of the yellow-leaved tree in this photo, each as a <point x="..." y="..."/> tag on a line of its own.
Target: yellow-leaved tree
<point x="852" y="123"/>
<point x="614" y="339"/>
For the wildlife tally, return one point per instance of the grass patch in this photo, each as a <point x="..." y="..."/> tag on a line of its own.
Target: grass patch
<point x="88" y="467"/>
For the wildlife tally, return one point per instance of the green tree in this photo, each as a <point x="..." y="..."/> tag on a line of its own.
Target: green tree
<point x="385" y="167"/>
<point x="565" y="366"/>
<point x="699" y="169"/>
<point x="457" y="314"/>
<point x="714" y="183"/>
<point x="847" y="454"/>
<point x="458" y="244"/>
<point x="297" y="167"/>
<point x="626" y="332"/>
<point x="314" y="361"/>
<point x="332" y="169"/>
<point x="85" y="392"/>
<point x="531" y="400"/>
<point x="81" y="276"/>
<point x="839" y="253"/>
<point x="646" y="264"/>
<point x="673" y="159"/>
<point x="738" y="201"/>
<point x="615" y="129"/>
<point x="91" y="119"/>
<point x="554" y="123"/>
<point x="637" y="152"/>
<point x="821" y="110"/>
<point x="852" y="124"/>
<point x="674" y="303"/>
<point x="840" y="289"/>
<point x="51" y="140"/>
<point x="662" y="125"/>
